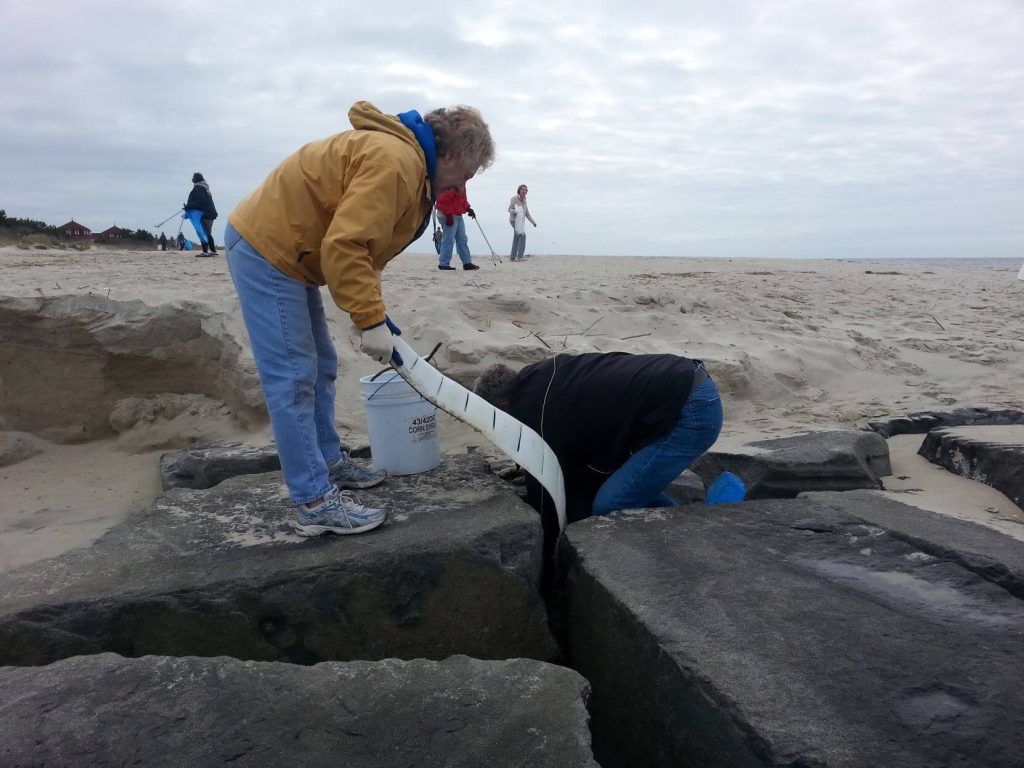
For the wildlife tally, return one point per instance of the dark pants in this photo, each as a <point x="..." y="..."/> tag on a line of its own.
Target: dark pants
<point x="208" y="229"/>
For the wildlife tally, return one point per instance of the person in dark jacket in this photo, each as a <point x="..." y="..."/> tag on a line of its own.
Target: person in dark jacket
<point x="181" y="242"/>
<point x="163" y="242"/>
<point x="200" y="210"/>
<point x="623" y="426"/>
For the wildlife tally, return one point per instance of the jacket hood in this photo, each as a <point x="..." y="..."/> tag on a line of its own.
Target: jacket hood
<point x="408" y="126"/>
<point x="366" y="117"/>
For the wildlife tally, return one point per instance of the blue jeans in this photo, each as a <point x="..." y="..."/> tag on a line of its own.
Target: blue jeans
<point x="297" y="363"/>
<point x="454" y="235"/>
<point x="518" y="245"/>
<point x="642" y="480"/>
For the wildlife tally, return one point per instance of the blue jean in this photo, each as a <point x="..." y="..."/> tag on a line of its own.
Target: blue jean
<point x="454" y="235"/>
<point x="642" y="480"/>
<point x="297" y="364"/>
<point x="518" y="245"/>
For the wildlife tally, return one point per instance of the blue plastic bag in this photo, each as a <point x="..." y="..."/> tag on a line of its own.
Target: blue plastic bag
<point x="726" y="487"/>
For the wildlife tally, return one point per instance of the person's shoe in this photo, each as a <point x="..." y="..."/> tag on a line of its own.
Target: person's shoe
<point x="345" y="473"/>
<point x="338" y="513"/>
<point x="452" y="269"/>
<point x="471" y="265"/>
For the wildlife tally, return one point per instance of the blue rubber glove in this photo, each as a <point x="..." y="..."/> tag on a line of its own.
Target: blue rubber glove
<point x="726" y="488"/>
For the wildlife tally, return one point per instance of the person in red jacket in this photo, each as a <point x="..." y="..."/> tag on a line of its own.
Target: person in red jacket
<point x="450" y="207"/>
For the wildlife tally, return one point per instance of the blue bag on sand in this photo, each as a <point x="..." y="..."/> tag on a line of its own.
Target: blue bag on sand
<point x="726" y="487"/>
<point x="188" y="245"/>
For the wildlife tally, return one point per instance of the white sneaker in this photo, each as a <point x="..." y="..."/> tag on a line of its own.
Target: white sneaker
<point x="339" y="513"/>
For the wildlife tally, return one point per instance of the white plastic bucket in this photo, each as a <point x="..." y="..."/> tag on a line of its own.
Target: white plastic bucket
<point x="402" y="426"/>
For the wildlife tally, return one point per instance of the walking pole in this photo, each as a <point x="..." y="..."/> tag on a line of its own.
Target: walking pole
<point x="167" y="219"/>
<point x="494" y="257"/>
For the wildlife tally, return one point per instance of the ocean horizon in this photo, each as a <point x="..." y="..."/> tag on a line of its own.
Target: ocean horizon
<point x="985" y="262"/>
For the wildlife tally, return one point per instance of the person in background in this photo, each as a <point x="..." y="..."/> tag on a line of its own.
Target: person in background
<point x="622" y="426"/>
<point x="181" y="242"/>
<point x="200" y="210"/>
<point x="450" y="207"/>
<point x="518" y="215"/>
<point x="163" y="241"/>
<point x="335" y="213"/>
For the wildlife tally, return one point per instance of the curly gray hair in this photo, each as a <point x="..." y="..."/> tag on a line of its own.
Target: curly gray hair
<point x="461" y="132"/>
<point x="495" y="385"/>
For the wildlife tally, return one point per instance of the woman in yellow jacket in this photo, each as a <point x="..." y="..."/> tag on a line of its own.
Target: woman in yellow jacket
<point x="334" y="213"/>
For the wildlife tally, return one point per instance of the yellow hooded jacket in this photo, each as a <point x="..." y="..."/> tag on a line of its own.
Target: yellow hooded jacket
<point x="339" y="209"/>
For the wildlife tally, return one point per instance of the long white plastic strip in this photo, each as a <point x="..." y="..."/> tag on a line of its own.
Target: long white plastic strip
<point x="516" y="440"/>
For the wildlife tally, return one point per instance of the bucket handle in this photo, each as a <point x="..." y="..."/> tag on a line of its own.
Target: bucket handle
<point x="378" y="389"/>
<point x="428" y="358"/>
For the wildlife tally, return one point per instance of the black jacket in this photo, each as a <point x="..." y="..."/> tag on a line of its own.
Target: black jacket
<point x="200" y="199"/>
<point x="600" y="409"/>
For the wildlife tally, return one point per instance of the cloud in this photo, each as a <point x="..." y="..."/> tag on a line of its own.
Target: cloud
<point x="756" y="128"/>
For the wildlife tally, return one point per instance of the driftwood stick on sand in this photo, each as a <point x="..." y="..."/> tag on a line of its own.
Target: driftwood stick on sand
<point x="532" y="333"/>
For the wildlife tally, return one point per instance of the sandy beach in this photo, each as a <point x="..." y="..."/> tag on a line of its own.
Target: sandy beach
<point x="794" y="346"/>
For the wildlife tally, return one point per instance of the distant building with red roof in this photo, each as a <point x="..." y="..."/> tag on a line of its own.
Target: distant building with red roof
<point x="76" y="231"/>
<point x="114" y="233"/>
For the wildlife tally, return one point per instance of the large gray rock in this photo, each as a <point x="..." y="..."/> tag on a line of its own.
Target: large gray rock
<point x="205" y="466"/>
<point x="688" y="488"/>
<point x="924" y="421"/>
<point x="818" y="461"/>
<point x="990" y="455"/>
<point x="978" y="548"/>
<point x="157" y="711"/>
<point x="788" y="633"/>
<point x="455" y="569"/>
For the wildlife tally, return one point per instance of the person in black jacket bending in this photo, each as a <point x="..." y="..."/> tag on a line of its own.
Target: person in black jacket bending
<point x="200" y="210"/>
<point x="622" y="426"/>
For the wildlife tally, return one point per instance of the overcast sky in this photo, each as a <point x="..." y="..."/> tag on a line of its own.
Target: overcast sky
<point x="780" y="128"/>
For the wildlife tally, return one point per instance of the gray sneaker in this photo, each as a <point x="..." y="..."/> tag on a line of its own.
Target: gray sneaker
<point x="338" y="513"/>
<point x="345" y="473"/>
